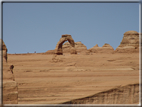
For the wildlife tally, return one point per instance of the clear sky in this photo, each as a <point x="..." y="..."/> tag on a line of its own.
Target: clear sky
<point x="29" y="27"/>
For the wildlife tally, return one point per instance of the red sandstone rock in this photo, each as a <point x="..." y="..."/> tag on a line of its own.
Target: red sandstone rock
<point x="66" y="37"/>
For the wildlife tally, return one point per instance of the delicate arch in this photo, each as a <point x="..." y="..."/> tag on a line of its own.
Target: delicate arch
<point x="66" y="37"/>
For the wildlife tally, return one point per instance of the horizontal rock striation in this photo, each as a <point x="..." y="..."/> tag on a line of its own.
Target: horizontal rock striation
<point x="128" y="94"/>
<point x="10" y="88"/>
<point x="10" y="92"/>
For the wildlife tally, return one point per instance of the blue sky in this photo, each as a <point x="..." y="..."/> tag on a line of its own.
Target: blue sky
<point x="29" y="27"/>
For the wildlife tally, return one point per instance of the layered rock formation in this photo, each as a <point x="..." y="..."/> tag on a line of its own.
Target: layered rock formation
<point x="10" y="88"/>
<point x="129" y="43"/>
<point x="106" y="48"/>
<point x="128" y="94"/>
<point x="66" y="37"/>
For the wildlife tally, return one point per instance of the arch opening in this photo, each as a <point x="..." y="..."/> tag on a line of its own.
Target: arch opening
<point x="64" y="38"/>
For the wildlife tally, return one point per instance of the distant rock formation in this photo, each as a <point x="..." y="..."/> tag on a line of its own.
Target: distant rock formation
<point x="78" y="46"/>
<point x="66" y="48"/>
<point x="129" y="43"/>
<point x="10" y="88"/>
<point x="66" y="37"/>
<point x="106" y="48"/>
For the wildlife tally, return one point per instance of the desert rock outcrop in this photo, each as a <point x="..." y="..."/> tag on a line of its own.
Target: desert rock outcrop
<point x="10" y="88"/>
<point x="106" y="48"/>
<point x="129" y="43"/>
<point x="66" y="37"/>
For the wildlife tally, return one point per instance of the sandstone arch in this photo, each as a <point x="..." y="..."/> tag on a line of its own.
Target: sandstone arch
<point x="66" y="37"/>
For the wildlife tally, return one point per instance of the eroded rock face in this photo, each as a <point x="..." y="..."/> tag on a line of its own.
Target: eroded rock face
<point x="106" y="48"/>
<point x="10" y="92"/>
<point x="128" y="94"/>
<point x="10" y="87"/>
<point x="129" y="43"/>
<point x="7" y="72"/>
<point x="66" y="37"/>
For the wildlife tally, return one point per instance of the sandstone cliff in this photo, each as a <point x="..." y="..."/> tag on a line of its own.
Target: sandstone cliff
<point x="129" y="43"/>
